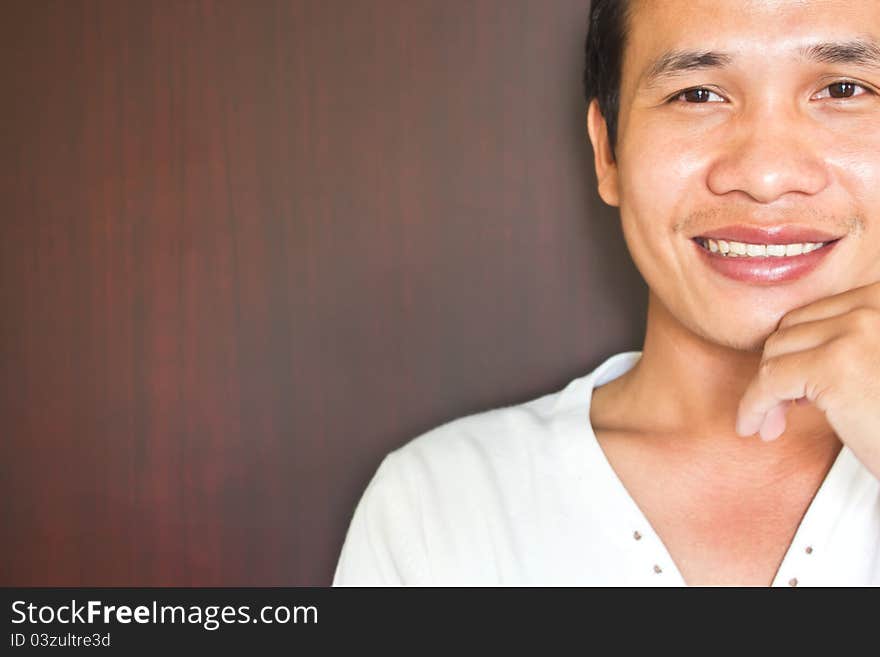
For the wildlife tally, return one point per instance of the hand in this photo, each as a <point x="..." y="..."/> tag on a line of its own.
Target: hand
<point x="826" y="353"/>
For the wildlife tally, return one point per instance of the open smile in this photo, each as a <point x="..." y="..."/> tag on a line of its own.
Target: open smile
<point x="732" y="249"/>
<point x="763" y="264"/>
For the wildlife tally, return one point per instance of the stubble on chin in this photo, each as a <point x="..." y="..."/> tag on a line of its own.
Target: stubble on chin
<point x="750" y="346"/>
<point x="689" y="326"/>
<point x="749" y="340"/>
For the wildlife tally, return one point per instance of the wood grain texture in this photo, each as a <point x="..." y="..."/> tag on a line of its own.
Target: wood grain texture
<point x="247" y="248"/>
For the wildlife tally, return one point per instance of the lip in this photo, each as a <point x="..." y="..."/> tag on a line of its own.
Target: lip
<point x="781" y="234"/>
<point x="767" y="270"/>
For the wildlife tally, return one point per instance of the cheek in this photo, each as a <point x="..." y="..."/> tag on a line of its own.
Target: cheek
<point x="857" y="172"/>
<point x="856" y="163"/>
<point x="659" y="184"/>
<point x="664" y="173"/>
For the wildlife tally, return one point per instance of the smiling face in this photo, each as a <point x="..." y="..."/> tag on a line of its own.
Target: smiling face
<point x="753" y="122"/>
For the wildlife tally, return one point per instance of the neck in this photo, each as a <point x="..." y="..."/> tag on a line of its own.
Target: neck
<point x="687" y="389"/>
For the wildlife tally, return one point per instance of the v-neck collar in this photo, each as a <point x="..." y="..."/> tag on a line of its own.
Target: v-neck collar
<point x="810" y="534"/>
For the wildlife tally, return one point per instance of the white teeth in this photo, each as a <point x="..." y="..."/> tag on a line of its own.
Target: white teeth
<point x="755" y="250"/>
<point x="742" y="249"/>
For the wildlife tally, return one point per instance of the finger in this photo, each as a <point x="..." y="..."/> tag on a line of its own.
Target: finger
<point x="801" y="337"/>
<point x="779" y="380"/>
<point x="773" y="424"/>
<point x="867" y="295"/>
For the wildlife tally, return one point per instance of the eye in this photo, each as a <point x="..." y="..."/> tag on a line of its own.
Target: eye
<point x="698" y="95"/>
<point x="843" y="89"/>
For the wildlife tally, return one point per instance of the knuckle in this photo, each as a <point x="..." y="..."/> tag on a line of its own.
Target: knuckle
<point x="817" y="393"/>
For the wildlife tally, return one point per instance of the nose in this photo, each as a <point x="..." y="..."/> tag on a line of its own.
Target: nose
<point x="771" y="154"/>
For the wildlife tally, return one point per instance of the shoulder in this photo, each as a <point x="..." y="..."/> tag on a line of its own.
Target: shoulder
<point x="465" y="499"/>
<point x="496" y="439"/>
<point x="541" y="432"/>
<point x="442" y="507"/>
<point x="503" y="447"/>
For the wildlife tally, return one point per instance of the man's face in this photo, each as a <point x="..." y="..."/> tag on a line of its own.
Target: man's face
<point x="770" y="135"/>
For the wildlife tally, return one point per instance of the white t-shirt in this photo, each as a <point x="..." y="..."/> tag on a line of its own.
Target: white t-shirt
<point x="524" y="495"/>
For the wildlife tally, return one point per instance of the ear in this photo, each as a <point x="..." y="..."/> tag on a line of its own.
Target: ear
<point x="606" y="167"/>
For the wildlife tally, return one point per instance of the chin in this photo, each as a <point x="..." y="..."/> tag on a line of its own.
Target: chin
<point x="738" y="329"/>
<point x="750" y="345"/>
<point x="739" y="338"/>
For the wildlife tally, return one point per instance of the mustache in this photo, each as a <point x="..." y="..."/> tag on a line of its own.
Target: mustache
<point x="706" y="219"/>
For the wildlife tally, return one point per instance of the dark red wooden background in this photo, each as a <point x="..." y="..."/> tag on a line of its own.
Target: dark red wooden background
<point x="247" y="248"/>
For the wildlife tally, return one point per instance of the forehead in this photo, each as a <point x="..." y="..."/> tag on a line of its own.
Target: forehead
<point x="750" y="31"/>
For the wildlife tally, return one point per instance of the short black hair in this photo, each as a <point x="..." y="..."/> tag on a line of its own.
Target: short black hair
<point x="606" y="38"/>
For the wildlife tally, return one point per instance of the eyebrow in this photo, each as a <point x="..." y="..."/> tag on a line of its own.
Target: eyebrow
<point x="862" y="52"/>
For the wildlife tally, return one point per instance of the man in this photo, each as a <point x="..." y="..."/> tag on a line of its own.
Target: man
<point x="741" y="142"/>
